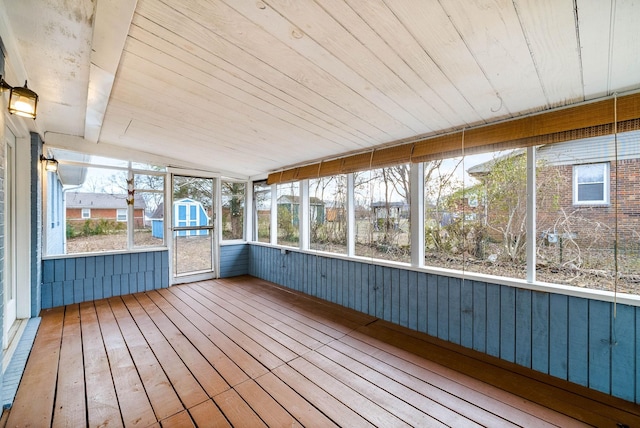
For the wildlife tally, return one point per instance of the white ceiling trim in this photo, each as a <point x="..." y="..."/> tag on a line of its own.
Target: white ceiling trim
<point x="110" y="29"/>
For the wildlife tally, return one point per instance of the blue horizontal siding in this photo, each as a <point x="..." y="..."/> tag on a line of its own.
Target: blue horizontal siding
<point x="85" y="278"/>
<point x="575" y="339"/>
<point x="234" y="260"/>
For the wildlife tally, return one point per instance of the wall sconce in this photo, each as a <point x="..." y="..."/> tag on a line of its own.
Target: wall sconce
<point x="22" y="100"/>
<point x="50" y="164"/>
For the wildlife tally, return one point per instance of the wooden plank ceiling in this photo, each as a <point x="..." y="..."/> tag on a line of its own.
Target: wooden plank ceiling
<point x="248" y="87"/>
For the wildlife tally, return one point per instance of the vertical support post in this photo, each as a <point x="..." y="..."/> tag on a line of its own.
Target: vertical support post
<point x="217" y="224"/>
<point x="416" y="176"/>
<point x="531" y="214"/>
<point x="248" y="212"/>
<point x="131" y="208"/>
<point x="351" y="216"/>
<point x="305" y="219"/>
<point x="273" y="234"/>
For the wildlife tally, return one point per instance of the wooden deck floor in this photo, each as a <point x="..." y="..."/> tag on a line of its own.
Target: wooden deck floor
<point x="243" y="352"/>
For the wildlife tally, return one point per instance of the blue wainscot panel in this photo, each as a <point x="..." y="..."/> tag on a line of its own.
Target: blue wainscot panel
<point x="585" y="341"/>
<point x="234" y="260"/>
<point x="87" y="277"/>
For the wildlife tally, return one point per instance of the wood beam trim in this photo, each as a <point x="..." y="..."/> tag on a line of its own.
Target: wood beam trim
<point x="581" y="121"/>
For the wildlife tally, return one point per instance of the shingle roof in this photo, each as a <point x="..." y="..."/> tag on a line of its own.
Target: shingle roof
<point x="101" y="200"/>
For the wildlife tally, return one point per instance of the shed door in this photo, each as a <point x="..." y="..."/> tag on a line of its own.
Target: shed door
<point x="194" y="240"/>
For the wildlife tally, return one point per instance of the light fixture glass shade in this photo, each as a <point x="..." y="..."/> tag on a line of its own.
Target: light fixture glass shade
<point x="23" y="102"/>
<point x="51" y="165"/>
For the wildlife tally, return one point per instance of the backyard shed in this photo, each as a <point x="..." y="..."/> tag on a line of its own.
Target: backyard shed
<point x="186" y="213"/>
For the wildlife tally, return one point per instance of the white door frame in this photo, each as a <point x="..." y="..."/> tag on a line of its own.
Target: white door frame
<point x="168" y="229"/>
<point x="10" y="266"/>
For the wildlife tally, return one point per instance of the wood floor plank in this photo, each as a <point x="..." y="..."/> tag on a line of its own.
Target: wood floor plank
<point x="162" y="396"/>
<point x="353" y="398"/>
<point x="70" y="409"/>
<point x="294" y="403"/>
<point x="414" y="373"/>
<point x="277" y="343"/>
<point x="208" y="415"/>
<point x="102" y="401"/>
<point x="226" y="367"/>
<point x="267" y="408"/>
<point x="285" y="334"/>
<point x="207" y="376"/>
<point x="438" y="415"/>
<point x="535" y="390"/>
<point x="309" y="337"/>
<point x="182" y="379"/>
<point x="134" y="403"/>
<point x="325" y="402"/>
<point x="306" y="316"/>
<point x="39" y="385"/>
<point x="250" y="356"/>
<point x="179" y="420"/>
<point x="237" y="411"/>
<point x="338" y="317"/>
<point x="279" y="307"/>
<point x="439" y="404"/>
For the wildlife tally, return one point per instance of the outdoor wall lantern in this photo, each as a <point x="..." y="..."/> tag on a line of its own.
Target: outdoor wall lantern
<point x="22" y="100"/>
<point x="50" y="164"/>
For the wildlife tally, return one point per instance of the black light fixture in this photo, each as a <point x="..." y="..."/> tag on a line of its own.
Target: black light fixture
<point x="50" y="164"/>
<point x="22" y="100"/>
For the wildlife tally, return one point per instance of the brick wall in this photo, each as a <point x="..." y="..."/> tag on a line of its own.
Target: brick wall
<point x="596" y="224"/>
<point x="75" y="215"/>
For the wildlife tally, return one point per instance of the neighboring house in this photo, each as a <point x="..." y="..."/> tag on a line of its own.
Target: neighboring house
<point x="186" y="213"/>
<point x="292" y="205"/>
<point x="81" y="207"/>
<point x="393" y="210"/>
<point x="578" y="184"/>
<point x="335" y="211"/>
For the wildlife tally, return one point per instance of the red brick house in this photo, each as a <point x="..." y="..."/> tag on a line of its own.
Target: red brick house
<point x="580" y="186"/>
<point x="81" y="207"/>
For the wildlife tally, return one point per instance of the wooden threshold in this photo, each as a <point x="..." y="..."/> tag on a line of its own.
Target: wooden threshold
<point x="245" y="352"/>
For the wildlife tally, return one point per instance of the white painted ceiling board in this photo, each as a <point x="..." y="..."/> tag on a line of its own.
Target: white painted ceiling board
<point x="256" y="74"/>
<point x="223" y="22"/>
<point x="135" y="86"/>
<point x="298" y="71"/>
<point x="55" y="39"/>
<point x="594" y="32"/>
<point x="249" y="87"/>
<point x="441" y="56"/>
<point x="331" y="47"/>
<point x="203" y="74"/>
<point x="625" y="64"/>
<point x="549" y="27"/>
<point x="377" y="27"/>
<point x="493" y="34"/>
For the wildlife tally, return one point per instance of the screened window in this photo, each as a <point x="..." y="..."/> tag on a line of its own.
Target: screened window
<point x="262" y="212"/>
<point x="591" y="184"/>
<point x="103" y="200"/>
<point x="328" y="213"/>
<point x="233" y="201"/>
<point x="382" y="213"/>
<point x="289" y="214"/>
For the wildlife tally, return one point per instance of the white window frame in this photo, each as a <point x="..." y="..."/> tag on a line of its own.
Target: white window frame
<point x="85" y="213"/>
<point x="245" y="200"/>
<point x="605" y="194"/>
<point x="119" y="212"/>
